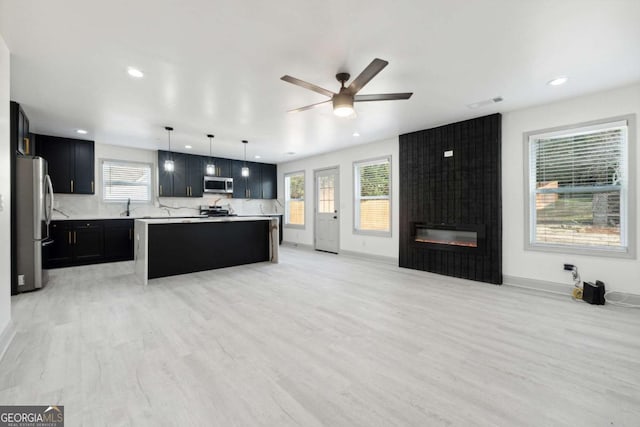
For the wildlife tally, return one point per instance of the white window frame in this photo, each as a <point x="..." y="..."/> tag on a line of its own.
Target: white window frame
<point x="287" y="199"/>
<point x="128" y="163"/>
<point x="356" y="196"/>
<point x="627" y="191"/>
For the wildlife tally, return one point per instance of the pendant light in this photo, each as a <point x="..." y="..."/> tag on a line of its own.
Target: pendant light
<point x="211" y="167"/>
<point x="168" y="164"/>
<point x="245" y="169"/>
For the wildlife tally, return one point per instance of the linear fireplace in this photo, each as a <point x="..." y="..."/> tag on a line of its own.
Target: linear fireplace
<point x="454" y="237"/>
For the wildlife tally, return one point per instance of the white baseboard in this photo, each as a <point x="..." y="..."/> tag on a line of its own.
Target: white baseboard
<point x="297" y="245"/>
<point x="539" y="285"/>
<point x="378" y="258"/>
<point x="353" y="254"/>
<point x="6" y="337"/>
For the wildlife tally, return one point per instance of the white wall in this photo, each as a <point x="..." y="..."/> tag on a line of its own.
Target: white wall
<point x="84" y="206"/>
<point x="372" y="245"/>
<point x="5" y="193"/>
<point x="618" y="274"/>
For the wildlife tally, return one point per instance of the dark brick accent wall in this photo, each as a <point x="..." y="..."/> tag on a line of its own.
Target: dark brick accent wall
<point x="463" y="189"/>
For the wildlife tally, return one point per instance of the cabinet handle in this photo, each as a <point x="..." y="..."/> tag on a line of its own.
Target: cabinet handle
<point x="26" y="145"/>
<point x="92" y="189"/>
<point x="68" y="232"/>
<point x="74" y="237"/>
<point x="129" y="234"/>
<point x="161" y="189"/>
<point x="72" y="186"/>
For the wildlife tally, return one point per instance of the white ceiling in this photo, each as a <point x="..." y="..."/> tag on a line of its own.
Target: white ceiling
<point x="215" y="66"/>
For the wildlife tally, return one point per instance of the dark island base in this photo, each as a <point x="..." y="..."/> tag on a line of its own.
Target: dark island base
<point x="190" y="247"/>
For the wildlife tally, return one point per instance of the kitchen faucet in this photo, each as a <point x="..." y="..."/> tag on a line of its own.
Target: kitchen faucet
<point x="128" y="204"/>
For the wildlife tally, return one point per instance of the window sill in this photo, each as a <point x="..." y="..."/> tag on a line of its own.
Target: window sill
<point x="622" y="253"/>
<point x="372" y="233"/>
<point x="294" y="226"/>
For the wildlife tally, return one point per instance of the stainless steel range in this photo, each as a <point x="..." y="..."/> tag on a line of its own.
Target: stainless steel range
<point x="214" y="211"/>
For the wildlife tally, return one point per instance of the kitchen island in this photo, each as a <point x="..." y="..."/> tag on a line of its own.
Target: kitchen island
<point x="167" y="247"/>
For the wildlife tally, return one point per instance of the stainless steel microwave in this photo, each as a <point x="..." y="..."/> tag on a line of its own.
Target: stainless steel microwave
<point x="216" y="184"/>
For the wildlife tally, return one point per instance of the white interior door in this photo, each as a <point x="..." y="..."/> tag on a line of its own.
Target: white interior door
<point x="327" y="225"/>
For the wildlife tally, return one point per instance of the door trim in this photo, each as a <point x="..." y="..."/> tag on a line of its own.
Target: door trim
<point x="315" y="201"/>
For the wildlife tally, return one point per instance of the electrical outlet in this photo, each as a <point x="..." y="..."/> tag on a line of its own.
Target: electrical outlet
<point x="21" y="280"/>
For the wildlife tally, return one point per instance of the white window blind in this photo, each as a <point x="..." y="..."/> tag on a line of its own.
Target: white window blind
<point x="372" y="207"/>
<point x="578" y="187"/>
<point x="123" y="180"/>
<point x="294" y="199"/>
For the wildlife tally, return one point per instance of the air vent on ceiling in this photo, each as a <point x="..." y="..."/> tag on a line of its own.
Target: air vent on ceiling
<point x="485" y="102"/>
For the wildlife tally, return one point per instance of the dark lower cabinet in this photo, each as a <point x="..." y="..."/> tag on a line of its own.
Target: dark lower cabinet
<point x="88" y="242"/>
<point x="118" y="240"/>
<point x="59" y="252"/>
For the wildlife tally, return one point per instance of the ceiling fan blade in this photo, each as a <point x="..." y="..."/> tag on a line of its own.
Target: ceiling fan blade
<point x="307" y="85"/>
<point x="308" y="107"/>
<point x="382" y="97"/>
<point x="370" y="72"/>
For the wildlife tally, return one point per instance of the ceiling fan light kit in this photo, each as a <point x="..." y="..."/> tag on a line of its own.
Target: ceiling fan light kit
<point x="343" y="100"/>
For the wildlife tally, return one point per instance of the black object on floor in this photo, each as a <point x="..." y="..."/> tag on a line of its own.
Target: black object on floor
<point x="593" y="293"/>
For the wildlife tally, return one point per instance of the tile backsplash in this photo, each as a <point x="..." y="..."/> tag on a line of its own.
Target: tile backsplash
<point x="84" y="206"/>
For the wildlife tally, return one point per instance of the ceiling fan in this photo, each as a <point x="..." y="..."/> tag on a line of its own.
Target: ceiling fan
<point x="344" y="99"/>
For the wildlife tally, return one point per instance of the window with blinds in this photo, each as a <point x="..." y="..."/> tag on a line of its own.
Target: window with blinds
<point x="294" y="199"/>
<point x="578" y="182"/>
<point x="372" y="205"/>
<point x="123" y="180"/>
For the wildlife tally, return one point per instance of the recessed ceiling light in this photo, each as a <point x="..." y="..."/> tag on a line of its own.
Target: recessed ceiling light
<point x="558" y="81"/>
<point x="257" y="157"/>
<point x="188" y="147"/>
<point x="81" y="131"/>
<point x="356" y="134"/>
<point x="134" y="72"/>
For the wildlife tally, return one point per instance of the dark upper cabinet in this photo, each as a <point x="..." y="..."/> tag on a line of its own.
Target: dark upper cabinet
<point x="255" y="180"/>
<point x="195" y="175"/>
<point x="20" y="130"/>
<point x="240" y="187"/>
<point x="222" y="166"/>
<point x="180" y="175"/>
<point x="71" y="163"/>
<point x="165" y="179"/>
<point x="186" y="180"/>
<point x="84" y="167"/>
<point x="269" y="181"/>
<point x="58" y="154"/>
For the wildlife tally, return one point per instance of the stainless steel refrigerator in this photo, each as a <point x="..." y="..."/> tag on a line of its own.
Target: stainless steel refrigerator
<point x="34" y="206"/>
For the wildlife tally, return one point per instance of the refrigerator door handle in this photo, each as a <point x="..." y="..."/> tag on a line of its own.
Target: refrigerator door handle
<point x="48" y="213"/>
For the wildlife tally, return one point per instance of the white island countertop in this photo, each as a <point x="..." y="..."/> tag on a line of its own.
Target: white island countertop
<point x="201" y="220"/>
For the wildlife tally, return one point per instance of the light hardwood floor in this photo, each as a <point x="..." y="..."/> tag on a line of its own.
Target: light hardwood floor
<point x="318" y="340"/>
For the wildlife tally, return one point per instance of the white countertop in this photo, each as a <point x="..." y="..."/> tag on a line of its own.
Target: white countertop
<point x="201" y="220"/>
<point x="101" y="217"/>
